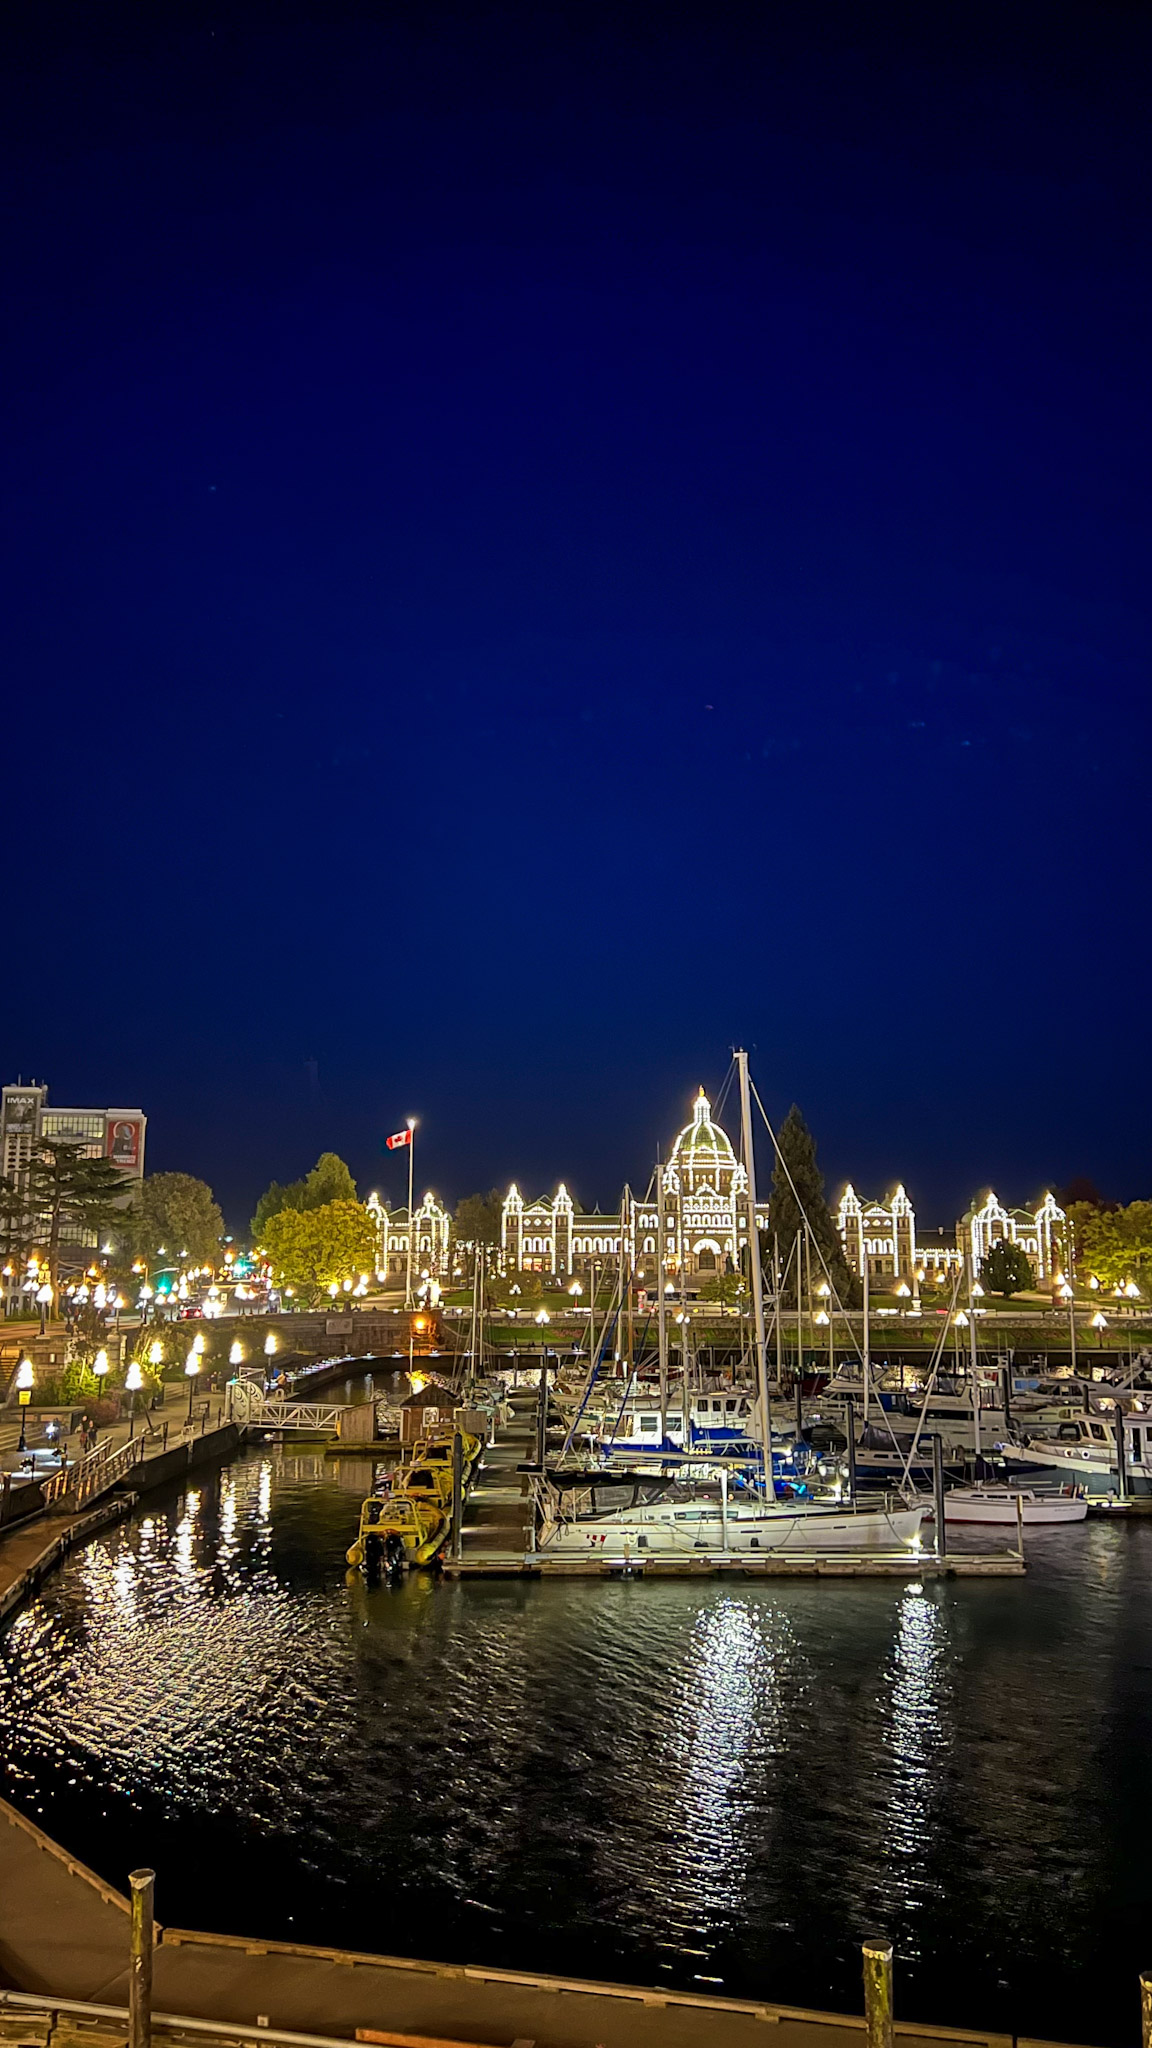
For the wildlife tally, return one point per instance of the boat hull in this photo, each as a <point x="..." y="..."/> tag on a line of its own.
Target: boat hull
<point x="997" y="1508"/>
<point x="814" y="1532"/>
<point x="1092" y="1470"/>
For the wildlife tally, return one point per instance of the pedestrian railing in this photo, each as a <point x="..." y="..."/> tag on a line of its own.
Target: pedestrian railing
<point x="74" y="1486"/>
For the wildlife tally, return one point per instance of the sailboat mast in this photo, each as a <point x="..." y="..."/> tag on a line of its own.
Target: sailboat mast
<point x="778" y="1284"/>
<point x="867" y="1340"/>
<point x="626" y="1282"/>
<point x="975" y="1384"/>
<point x="661" y="1304"/>
<point x="755" y="1274"/>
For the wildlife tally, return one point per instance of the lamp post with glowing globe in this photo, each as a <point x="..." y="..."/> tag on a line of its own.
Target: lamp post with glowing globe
<point x="191" y="1370"/>
<point x="25" y="1381"/>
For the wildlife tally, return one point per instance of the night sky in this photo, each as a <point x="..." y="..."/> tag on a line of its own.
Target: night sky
<point x="543" y="543"/>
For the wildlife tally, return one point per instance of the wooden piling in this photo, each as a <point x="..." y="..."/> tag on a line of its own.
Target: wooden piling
<point x="878" y="1993"/>
<point x="143" y="1884"/>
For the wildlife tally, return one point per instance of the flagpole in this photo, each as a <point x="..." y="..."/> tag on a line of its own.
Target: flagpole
<point x="411" y="1217"/>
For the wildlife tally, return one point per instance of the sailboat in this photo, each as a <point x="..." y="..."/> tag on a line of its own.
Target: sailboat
<point x="693" y="1520"/>
<point x="993" y="1503"/>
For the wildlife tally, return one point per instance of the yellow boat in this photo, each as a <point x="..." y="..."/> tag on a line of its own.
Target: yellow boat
<point x="427" y="1481"/>
<point x="398" y="1529"/>
<point x="409" y="1525"/>
<point x="437" y="1450"/>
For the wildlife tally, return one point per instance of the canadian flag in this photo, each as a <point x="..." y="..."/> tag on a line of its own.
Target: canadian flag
<point x="397" y="1139"/>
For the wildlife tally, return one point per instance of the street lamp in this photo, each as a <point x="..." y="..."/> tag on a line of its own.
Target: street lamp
<point x="191" y="1369"/>
<point x="133" y="1381"/>
<point x="100" y="1364"/>
<point x="236" y="1355"/>
<point x="25" y="1381"/>
<point x="44" y="1297"/>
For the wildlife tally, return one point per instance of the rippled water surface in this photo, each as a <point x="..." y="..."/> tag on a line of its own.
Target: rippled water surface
<point x="724" y="1787"/>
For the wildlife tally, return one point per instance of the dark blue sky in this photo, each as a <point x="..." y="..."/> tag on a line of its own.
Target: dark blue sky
<point x="540" y="544"/>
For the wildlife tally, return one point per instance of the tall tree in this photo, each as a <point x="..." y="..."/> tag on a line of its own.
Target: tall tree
<point x="69" y="1197"/>
<point x="308" y="1249"/>
<point x="328" y="1181"/>
<point x="177" y="1213"/>
<point x="477" y="1222"/>
<point x="798" y="1193"/>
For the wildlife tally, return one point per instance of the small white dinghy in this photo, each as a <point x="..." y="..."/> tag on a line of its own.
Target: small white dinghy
<point x="998" y="1504"/>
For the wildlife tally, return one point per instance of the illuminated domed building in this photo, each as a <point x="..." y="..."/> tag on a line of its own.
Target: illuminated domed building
<point x="705" y="1216"/>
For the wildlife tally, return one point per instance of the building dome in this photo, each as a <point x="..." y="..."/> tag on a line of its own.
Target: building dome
<point x="702" y="1149"/>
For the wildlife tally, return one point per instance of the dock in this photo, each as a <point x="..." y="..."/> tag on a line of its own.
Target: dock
<point x="497" y="1541"/>
<point x="502" y="1564"/>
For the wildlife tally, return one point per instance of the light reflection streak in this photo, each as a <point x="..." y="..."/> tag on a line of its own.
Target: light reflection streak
<point x="915" y="1737"/>
<point x="728" y="1727"/>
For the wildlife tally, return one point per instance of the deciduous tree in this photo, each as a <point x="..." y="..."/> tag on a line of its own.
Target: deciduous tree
<point x="178" y="1213"/>
<point x="328" y="1181"/>
<point x="308" y="1249"/>
<point x="1114" y="1244"/>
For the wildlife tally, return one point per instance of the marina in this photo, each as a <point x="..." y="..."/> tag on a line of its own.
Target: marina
<point x="707" y="1777"/>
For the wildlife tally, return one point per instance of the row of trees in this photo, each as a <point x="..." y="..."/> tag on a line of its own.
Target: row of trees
<point x="65" y="1197"/>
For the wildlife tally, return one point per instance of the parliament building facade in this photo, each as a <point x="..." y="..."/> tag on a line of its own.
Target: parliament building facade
<point x="705" y="1205"/>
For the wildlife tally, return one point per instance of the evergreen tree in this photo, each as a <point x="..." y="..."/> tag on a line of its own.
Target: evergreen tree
<point x="64" y="1196"/>
<point x="797" y="1149"/>
<point x="477" y="1221"/>
<point x="329" y="1181"/>
<point x="1007" y="1269"/>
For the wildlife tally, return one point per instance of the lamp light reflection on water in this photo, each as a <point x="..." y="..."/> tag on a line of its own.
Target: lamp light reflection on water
<point x="915" y="1736"/>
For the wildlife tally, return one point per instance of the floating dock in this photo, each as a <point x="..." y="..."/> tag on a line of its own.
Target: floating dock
<point x="497" y="1543"/>
<point x="496" y="1564"/>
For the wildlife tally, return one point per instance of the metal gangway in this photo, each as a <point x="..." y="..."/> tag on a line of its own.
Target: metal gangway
<point x="252" y="1407"/>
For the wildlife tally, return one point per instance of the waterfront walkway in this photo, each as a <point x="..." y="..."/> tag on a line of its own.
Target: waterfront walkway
<point x="30" y="1549"/>
<point x="65" y="1931"/>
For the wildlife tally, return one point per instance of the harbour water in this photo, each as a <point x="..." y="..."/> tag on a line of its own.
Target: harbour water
<point x="720" y="1787"/>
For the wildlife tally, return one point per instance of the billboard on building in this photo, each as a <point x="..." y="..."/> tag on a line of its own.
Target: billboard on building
<point x="122" y="1142"/>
